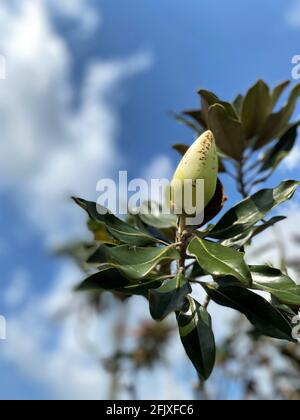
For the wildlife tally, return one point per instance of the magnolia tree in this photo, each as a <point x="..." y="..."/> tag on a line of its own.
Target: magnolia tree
<point x="164" y="257"/>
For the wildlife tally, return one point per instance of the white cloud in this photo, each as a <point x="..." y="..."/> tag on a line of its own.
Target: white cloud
<point x="161" y="167"/>
<point x="78" y="10"/>
<point x="49" y="148"/>
<point x="15" y="294"/>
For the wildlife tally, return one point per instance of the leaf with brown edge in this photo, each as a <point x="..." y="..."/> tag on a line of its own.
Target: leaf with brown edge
<point x="216" y="204"/>
<point x="181" y="148"/>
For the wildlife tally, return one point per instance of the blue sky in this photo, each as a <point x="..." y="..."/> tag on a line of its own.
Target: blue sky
<point x="89" y="89"/>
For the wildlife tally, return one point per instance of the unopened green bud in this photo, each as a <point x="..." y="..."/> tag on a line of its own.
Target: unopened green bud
<point x="200" y="162"/>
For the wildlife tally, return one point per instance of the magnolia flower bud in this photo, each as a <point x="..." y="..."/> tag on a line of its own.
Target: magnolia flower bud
<point x="200" y="162"/>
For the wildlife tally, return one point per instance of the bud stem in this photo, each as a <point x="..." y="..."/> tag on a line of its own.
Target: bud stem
<point x="183" y="245"/>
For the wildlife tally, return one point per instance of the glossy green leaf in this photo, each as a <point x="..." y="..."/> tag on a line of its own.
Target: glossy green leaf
<point x="141" y="289"/>
<point x="106" y="279"/>
<point x="251" y="210"/>
<point x="243" y="238"/>
<point x="157" y="224"/>
<point x="159" y="221"/>
<point x="286" y="311"/>
<point x="197" y="337"/>
<point x="278" y="91"/>
<point x="266" y="318"/>
<point x="111" y="279"/>
<point x="209" y="99"/>
<point x="184" y="120"/>
<point x="170" y="297"/>
<point x="197" y="271"/>
<point x="277" y="123"/>
<point x="257" y="106"/>
<point x="219" y="260"/>
<point x="196" y="115"/>
<point x="228" y="132"/>
<point x="238" y="104"/>
<point x="280" y="285"/>
<point x="164" y="235"/>
<point x="116" y="227"/>
<point x="100" y="232"/>
<point x="273" y="128"/>
<point x="134" y="262"/>
<point x="282" y="148"/>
